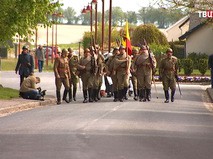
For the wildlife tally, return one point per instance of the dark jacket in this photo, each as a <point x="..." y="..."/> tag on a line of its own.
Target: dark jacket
<point x="210" y="62"/>
<point x="25" y="64"/>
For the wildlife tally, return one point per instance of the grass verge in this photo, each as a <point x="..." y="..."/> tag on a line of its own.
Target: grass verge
<point x="8" y="93"/>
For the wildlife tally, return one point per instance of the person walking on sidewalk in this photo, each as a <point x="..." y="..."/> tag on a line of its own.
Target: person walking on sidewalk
<point x="73" y="64"/>
<point x="62" y="76"/>
<point x="25" y="64"/>
<point x="39" y="54"/>
<point x="168" y="74"/>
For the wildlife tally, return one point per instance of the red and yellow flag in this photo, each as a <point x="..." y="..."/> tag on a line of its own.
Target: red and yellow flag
<point x="126" y="40"/>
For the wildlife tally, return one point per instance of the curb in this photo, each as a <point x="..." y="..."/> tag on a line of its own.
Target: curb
<point x="26" y="106"/>
<point x="210" y="93"/>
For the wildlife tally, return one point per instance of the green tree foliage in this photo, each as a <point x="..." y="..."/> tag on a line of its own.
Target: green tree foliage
<point x="149" y="32"/>
<point x="160" y="16"/>
<point x="118" y="16"/>
<point x="131" y="16"/>
<point x="203" y="66"/>
<point x="69" y="14"/>
<point x="21" y="16"/>
<point x="87" y="39"/>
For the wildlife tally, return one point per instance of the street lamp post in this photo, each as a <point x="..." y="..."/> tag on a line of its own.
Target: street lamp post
<point x="110" y="25"/>
<point x="102" y="41"/>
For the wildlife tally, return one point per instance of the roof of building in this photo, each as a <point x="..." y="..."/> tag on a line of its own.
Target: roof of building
<point x="184" y="36"/>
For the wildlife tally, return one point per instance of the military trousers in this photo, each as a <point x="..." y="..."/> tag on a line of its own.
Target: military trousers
<point x="122" y="78"/>
<point x="144" y="79"/>
<point x="87" y="80"/>
<point x="60" y="81"/>
<point x="114" y="82"/>
<point x="97" y="81"/>
<point x="134" y="82"/>
<point x="169" y="82"/>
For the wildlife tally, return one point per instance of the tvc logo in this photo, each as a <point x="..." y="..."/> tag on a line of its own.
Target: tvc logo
<point x="205" y="14"/>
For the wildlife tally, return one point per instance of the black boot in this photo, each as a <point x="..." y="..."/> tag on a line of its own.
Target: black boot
<point x="141" y="95"/>
<point x="172" y="95"/>
<point x="85" y="96"/>
<point x="98" y="95"/>
<point x="144" y="95"/>
<point x="115" y="96"/>
<point x="74" y="93"/>
<point x="166" y="96"/>
<point x="65" y="96"/>
<point x="135" y="94"/>
<point x="58" y="95"/>
<point x="90" y="91"/>
<point x="95" y="94"/>
<point x="70" y="95"/>
<point x="125" y="93"/>
<point x="120" y="95"/>
<point x="148" y="94"/>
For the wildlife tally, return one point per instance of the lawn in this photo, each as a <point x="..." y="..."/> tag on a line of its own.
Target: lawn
<point x="10" y="64"/>
<point x="8" y="93"/>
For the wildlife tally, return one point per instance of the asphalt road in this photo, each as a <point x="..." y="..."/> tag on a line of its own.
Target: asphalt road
<point x="109" y="130"/>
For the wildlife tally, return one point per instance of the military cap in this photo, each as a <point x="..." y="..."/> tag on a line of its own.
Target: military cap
<point x="86" y="50"/>
<point x="70" y="49"/>
<point x="122" y="47"/>
<point x="169" y="50"/>
<point x="143" y="47"/>
<point x="64" y="51"/>
<point x="24" y="47"/>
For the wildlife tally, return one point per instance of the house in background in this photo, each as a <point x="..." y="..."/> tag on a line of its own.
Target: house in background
<point x="179" y="28"/>
<point x="199" y="37"/>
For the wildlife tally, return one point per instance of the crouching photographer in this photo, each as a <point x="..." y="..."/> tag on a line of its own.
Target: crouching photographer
<point x="28" y="89"/>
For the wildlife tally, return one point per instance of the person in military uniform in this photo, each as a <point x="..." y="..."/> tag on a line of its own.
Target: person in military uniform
<point x="86" y="69"/>
<point x="168" y="74"/>
<point x="133" y="74"/>
<point x="25" y="64"/>
<point x="145" y="63"/>
<point x="73" y="64"/>
<point x="62" y="76"/>
<point x="112" y="73"/>
<point x="122" y="67"/>
<point x="98" y="75"/>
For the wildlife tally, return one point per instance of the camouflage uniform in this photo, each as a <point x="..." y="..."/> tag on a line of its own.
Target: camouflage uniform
<point x="122" y="67"/>
<point x="144" y="73"/>
<point x="168" y="73"/>
<point x="73" y="64"/>
<point x="62" y="76"/>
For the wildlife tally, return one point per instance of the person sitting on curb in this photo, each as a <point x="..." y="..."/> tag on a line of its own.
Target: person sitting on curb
<point x="28" y="89"/>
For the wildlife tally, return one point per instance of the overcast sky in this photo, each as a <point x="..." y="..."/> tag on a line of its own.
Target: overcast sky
<point x="126" y="5"/>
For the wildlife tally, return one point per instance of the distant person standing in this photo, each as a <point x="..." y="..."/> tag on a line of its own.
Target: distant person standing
<point x="25" y="64"/>
<point x="39" y="54"/>
<point x="210" y="62"/>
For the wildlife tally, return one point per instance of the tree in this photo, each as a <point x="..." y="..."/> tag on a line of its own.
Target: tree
<point x="117" y="16"/>
<point x="149" y="32"/>
<point x="192" y="5"/>
<point x="132" y="17"/>
<point x="21" y="16"/>
<point x="69" y="14"/>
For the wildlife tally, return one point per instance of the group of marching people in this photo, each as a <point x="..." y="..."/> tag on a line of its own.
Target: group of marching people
<point x="140" y="67"/>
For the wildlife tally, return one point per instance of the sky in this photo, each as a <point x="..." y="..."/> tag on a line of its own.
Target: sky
<point x="126" y="5"/>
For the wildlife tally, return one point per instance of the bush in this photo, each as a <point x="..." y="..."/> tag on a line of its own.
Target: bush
<point x="195" y="58"/>
<point x="187" y="66"/>
<point x="203" y="66"/>
<point x="86" y="40"/>
<point x="149" y="32"/>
